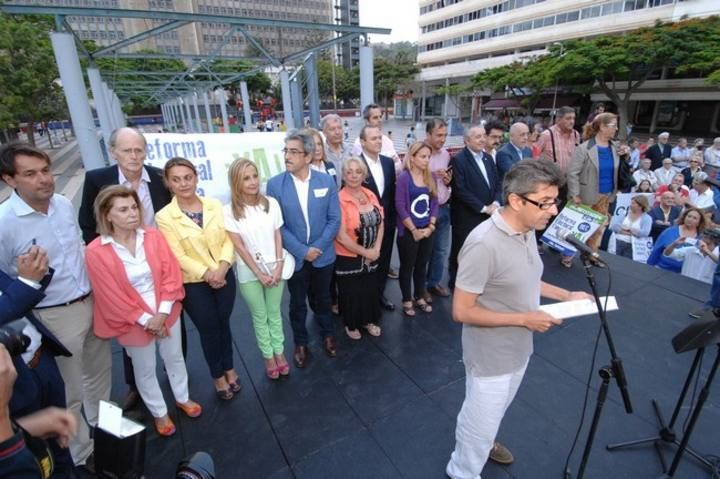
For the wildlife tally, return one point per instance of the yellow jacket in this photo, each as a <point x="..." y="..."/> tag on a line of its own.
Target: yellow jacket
<point x="197" y="249"/>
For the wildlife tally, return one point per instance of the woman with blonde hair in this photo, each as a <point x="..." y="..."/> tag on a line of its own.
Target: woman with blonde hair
<point x="592" y="177"/>
<point x="417" y="209"/>
<point x="636" y="224"/>
<point x="195" y="230"/>
<point x="138" y="290"/>
<point x="253" y="222"/>
<point x="319" y="161"/>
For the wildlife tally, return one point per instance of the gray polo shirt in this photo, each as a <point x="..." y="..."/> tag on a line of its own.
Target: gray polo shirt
<point x="338" y="159"/>
<point x="504" y="268"/>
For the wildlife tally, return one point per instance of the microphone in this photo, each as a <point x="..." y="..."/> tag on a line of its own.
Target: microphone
<point x="570" y="238"/>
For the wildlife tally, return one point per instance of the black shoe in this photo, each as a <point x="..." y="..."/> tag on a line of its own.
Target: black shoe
<point x="131" y="401"/>
<point x="386" y="304"/>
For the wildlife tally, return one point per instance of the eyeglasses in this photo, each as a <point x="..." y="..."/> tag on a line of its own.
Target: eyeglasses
<point x="292" y="152"/>
<point x="543" y="206"/>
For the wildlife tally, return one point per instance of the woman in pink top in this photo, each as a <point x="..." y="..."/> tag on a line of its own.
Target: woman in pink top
<point x="138" y="287"/>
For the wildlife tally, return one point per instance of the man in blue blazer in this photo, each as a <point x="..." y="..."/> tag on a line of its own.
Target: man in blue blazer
<point x="514" y="150"/>
<point x="311" y="214"/>
<point x="381" y="181"/>
<point x="476" y="191"/>
<point x="39" y="384"/>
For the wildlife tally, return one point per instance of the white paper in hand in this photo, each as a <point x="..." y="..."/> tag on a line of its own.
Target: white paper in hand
<point x="579" y="307"/>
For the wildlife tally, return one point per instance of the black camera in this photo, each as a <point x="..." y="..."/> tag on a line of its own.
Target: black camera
<point x="13" y="339"/>
<point x="198" y="466"/>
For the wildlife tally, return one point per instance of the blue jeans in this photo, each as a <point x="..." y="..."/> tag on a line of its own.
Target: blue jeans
<point x="441" y="247"/>
<point x="210" y="310"/>
<point x="313" y="285"/>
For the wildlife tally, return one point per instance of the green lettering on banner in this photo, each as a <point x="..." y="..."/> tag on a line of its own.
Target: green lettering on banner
<point x="260" y="158"/>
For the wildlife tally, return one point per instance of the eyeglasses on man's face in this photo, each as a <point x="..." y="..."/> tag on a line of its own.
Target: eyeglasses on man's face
<point x="545" y="205"/>
<point x="292" y="152"/>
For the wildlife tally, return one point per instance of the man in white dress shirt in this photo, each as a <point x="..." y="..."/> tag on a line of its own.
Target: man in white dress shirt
<point x="35" y="215"/>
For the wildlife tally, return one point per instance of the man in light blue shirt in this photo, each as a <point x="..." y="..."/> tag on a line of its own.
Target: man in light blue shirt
<point x="681" y="154"/>
<point x="35" y="215"/>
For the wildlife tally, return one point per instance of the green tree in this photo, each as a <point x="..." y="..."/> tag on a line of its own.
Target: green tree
<point x="27" y="72"/>
<point x="346" y="82"/>
<point x="392" y="77"/>
<point x="619" y="64"/>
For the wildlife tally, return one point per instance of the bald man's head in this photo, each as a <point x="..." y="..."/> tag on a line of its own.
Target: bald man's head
<point x="519" y="133"/>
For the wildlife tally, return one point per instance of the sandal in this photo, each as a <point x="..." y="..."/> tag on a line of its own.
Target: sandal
<point x="567" y="261"/>
<point x="408" y="309"/>
<point x="190" y="408"/>
<point x="282" y="365"/>
<point x="373" y="329"/>
<point x="423" y="306"/>
<point x="224" y="394"/>
<point x="235" y="385"/>
<point x="164" y="426"/>
<point x="353" y="333"/>
<point x="271" y="369"/>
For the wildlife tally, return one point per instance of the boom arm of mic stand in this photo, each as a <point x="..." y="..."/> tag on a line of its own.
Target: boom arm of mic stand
<point x="616" y="362"/>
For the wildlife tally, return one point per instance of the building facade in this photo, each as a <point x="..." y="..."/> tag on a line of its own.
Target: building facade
<point x="347" y="12"/>
<point x="459" y="38"/>
<point x="204" y="38"/>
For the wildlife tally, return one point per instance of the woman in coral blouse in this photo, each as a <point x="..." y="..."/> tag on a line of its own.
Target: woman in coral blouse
<point x="358" y="248"/>
<point x="137" y="285"/>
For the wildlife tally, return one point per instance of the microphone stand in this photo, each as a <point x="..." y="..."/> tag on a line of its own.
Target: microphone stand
<point x="614" y="370"/>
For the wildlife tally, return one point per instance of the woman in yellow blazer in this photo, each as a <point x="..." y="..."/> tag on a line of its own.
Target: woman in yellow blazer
<point x="195" y="230"/>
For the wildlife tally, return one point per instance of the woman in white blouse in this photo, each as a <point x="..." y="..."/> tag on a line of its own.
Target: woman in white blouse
<point x="253" y="222"/>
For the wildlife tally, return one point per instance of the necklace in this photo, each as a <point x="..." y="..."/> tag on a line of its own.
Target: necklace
<point x="362" y="199"/>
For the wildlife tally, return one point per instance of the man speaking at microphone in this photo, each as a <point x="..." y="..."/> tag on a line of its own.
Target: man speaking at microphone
<point x="497" y="299"/>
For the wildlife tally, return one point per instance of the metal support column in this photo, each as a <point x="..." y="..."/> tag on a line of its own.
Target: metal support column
<point x="313" y="90"/>
<point x="100" y="107"/>
<point x="108" y="106"/>
<point x="198" y="123"/>
<point x="367" y="94"/>
<point x="222" y="98"/>
<point x="68" y="65"/>
<point x="189" y="125"/>
<point x="246" y="106"/>
<point x="297" y="102"/>
<point x="208" y="115"/>
<point x="286" y="99"/>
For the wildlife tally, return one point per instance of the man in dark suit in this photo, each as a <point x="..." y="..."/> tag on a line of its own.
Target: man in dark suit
<point x="311" y="213"/>
<point x="659" y="151"/>
<point x="381" y="181"/>
<point x="127" y="146"/>
<point x="39" y="384"/>
<point x="514" y="150"/>
<point x="476" y="191"/>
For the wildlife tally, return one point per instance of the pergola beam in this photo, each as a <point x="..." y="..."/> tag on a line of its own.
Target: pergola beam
<point x="140" y="36"/>
<point x="186" y="17"/>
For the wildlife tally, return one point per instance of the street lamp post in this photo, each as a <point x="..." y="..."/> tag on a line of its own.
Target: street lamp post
<point x="557" y="81"/>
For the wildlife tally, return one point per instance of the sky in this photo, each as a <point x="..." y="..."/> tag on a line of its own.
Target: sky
<point x="400" y="15"/>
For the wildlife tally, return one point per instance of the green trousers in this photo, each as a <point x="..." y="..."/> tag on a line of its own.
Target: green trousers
<point x="264" y="305"/>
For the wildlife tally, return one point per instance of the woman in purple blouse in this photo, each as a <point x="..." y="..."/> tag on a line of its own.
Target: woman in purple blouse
<point x="417" y="209"/>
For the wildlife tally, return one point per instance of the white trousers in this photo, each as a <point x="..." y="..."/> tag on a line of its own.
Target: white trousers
<point x="143" y="360"/>
<point x="87" y="373"/>
<point x="486" y="400"/>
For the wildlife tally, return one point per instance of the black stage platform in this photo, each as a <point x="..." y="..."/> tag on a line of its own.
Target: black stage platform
<point x="386" y="407"/>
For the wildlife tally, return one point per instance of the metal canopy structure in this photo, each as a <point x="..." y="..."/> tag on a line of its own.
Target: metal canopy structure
<point x="177" y="91"/>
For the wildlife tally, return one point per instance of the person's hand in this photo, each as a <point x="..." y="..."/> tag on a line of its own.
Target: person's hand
<point x="704" y="248"/>
<point x="51" y="422"/>
<point x="277" y="273"/>
<point x="576" y="199"/>
<point x="681" y="240"/>
<point x="540" y="321"/>
<point x="156" y="325"/>
<point x="418" y="234"/>
<point x="33" y="264"/>
<point x="265" y="279"/>
<point x="372" y="254"/>
<point x="312" y="254"/>
<point x="8" y="374"/>
<point x="577" y="295"/>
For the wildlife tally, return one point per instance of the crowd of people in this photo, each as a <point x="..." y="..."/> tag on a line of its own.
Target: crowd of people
<point x="145" y="247"/>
